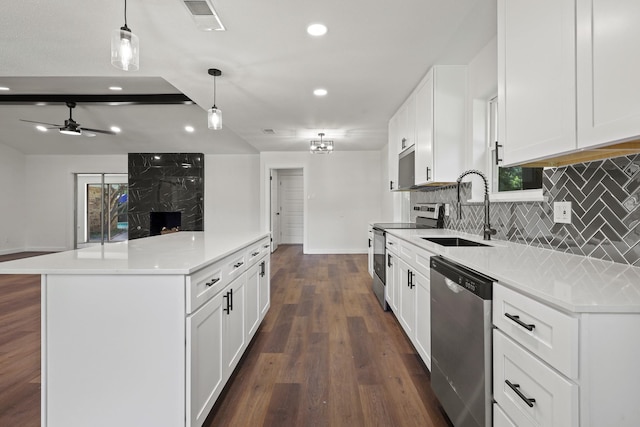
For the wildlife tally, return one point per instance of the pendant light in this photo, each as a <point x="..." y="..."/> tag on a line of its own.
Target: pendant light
<point x="214" y="113"/>
<point x="125" y="52"/>
<point x="322" y="146"/>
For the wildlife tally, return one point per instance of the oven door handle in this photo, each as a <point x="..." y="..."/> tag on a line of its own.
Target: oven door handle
<point x="452" y="285"/>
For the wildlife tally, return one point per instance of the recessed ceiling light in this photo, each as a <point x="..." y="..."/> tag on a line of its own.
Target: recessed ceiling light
<point x="4" y="88"/>
<point x="115" y="129"/>
<point x="317" y="30"/>
<point x="41" y="128"/>
<point x="189" y="129"/>
<point x="116" y="88"/>
<point x="320" y="92"/>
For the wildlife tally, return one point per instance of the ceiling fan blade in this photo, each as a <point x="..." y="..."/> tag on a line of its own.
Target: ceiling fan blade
<point x="108" y="132"/>
<point x="41" y="123"/>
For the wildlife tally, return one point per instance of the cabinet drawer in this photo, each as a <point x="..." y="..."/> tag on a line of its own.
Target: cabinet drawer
<point x="530" y="392"/>
<point x="546" y="332"/>
<point x="207" y="282"/>
<point x="392" y="244"/>
<point x="417" y="258"/>
<point x="257" y="251"/>
<point x="204" y="284"/>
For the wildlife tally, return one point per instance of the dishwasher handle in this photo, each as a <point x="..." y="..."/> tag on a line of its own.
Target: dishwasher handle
<point x="453" y="286"/>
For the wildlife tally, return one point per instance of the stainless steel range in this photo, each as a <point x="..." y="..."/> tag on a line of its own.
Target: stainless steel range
<point x="431" y="215"/>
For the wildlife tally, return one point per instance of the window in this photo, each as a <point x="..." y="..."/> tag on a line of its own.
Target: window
<point x="512" y="179"/>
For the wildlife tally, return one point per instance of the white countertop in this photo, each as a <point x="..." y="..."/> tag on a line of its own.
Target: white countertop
<point x="570" y="282"/>
<point x="176" y="253"/>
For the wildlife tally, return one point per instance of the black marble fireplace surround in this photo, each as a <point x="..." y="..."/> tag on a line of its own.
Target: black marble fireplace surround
<point x="169" y="183"/>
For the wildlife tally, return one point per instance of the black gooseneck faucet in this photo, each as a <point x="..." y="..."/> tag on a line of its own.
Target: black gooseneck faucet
<point x="487" y="230"/>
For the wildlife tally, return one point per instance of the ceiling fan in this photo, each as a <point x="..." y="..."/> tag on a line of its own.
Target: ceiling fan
<point x="71" y="127"/>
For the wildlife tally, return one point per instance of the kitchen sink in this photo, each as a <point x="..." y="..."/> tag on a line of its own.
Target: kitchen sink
<point x="453" y="241"/>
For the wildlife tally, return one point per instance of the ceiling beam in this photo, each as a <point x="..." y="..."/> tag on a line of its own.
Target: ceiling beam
<point x="111" y="99"/>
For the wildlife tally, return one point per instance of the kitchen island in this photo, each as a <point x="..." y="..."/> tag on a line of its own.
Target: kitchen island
<point x="146" y="332"/>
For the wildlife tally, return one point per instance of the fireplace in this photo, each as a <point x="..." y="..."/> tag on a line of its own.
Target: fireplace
<point x="164" y="220"/>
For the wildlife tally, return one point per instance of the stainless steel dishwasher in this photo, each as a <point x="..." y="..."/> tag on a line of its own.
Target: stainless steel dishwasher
<point x="461" y="375"/>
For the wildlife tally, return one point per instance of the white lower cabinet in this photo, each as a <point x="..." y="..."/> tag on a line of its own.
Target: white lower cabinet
<point x="264" y="290"/>
<point x="252" y="303"/>
<point x="528" y="390"/>
<point x="500" y="419"/>
<point x="205" y="373"/>
<point x="423" y="317"/>
<point x="370" y="252"/>
<point x="233" y="330"/>
<point x="407" y="313"/>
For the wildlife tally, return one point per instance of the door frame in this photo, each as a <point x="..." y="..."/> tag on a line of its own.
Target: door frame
<point x="265" y="197"/>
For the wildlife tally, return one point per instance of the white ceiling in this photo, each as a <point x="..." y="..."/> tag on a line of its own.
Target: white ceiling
<point x="374" y="53"/>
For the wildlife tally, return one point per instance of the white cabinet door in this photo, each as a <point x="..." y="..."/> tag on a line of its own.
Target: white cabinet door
<point x="393" y="153"/>
<point x="252" y="303"/>
<point x="370" y="252"/>
<point x="233" y="337"/>
<point x="265" y="286"/>
<point x="608" y="63"/>
<point x="205" y="371"/>
<point x="424" y="130"/>
<point x="423" y="317"/>
<point x="406" y="124"/>
<point x="390" y="287"/>
<point x="407" y="302"/>
<point x="536" y="78"/>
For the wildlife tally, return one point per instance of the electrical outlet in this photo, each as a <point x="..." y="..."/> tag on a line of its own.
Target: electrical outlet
<point x="632" y="169"/>
<point x="632" y="202"/>
<point x="446" y="209"/>
<point x="562" y="212"/>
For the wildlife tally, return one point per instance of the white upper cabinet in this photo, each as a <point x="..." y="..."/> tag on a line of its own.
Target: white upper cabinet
<point x="536" y="78"/>
<point x="567" y="76"/>
<point x="608" y="64"/>
<point x="440" y="124"/>
<point x="432" y="120"/>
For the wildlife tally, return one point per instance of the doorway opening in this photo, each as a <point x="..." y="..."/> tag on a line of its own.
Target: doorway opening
<point x="101" y="202"/>
<point x="287" y="206"/>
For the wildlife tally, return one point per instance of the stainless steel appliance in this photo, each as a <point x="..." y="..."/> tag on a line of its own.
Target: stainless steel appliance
<point x="431" y="216"/>
<point x="461" y="375"/>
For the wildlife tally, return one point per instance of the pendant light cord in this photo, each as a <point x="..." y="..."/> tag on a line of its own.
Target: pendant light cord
<point x="214" y="91"/>
<point x="125" y="13"/>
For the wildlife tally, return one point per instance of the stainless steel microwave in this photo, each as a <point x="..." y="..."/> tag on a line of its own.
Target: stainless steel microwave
<point x="406" y="169"/>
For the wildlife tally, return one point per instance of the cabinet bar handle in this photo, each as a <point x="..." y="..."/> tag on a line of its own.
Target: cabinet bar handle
<point x="226" y="297"/>
<point x="498" y="159"/>
<point x="390" y="185"/>
<point x="213" y="281"/>
<point x="255" y="253"/>
<point x="262" y="268"/>
<point x="388" y="260"/>
<point x="237" y="264"/>
<point x="230" y="299"/>
<point x="516" y="319"/>
<point x="266" y="246"/>
<point x="427" y="173"/>
<point x="515" y="387"/>
<point x="369" y="242"/>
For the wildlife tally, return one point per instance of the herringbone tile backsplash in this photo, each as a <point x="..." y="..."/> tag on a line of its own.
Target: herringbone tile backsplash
<point x="605" y="220"/>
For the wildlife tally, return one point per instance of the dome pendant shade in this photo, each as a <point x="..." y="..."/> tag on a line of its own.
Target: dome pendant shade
<point x="125" y="52"/>
<point x="215" y="118"/>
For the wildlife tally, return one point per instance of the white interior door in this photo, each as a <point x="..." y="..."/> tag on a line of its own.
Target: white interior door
<point x="291" y="196"/>
<point x="275" y="211"/>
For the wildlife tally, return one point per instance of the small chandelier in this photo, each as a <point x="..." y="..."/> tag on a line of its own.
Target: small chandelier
<point x="214" y="113"/>
<point x="125" y="47"/>
<point x="322" y="147"/>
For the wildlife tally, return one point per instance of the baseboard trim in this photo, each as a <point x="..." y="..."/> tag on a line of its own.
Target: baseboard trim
<point x="12" y="251"/>
<point x="340" y="251"/>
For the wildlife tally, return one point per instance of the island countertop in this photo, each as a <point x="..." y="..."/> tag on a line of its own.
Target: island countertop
<point x="176" y="253"/>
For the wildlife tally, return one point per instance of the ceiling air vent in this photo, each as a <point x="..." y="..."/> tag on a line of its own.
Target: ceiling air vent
<point x="269" y="131"/>
<point x="204" y="15"/>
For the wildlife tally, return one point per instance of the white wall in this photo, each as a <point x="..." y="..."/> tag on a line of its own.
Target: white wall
<point x="232" y="192"/>
<point x="49" y="206"/>
<point x="12" y="200"/>
<point x="342" y="194"/>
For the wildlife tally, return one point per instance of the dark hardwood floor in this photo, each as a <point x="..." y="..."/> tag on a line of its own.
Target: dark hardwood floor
<point x="325" y="355"/>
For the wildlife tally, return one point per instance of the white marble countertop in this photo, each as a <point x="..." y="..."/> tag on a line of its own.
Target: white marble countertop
<point x="176" y="253"/>
<point x="570" y="282"/>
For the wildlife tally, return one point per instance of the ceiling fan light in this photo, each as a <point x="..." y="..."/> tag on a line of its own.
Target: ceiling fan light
<point x="215" y="118"/>
<point x="125" y="49"/>
<point x="70" y="131"/>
